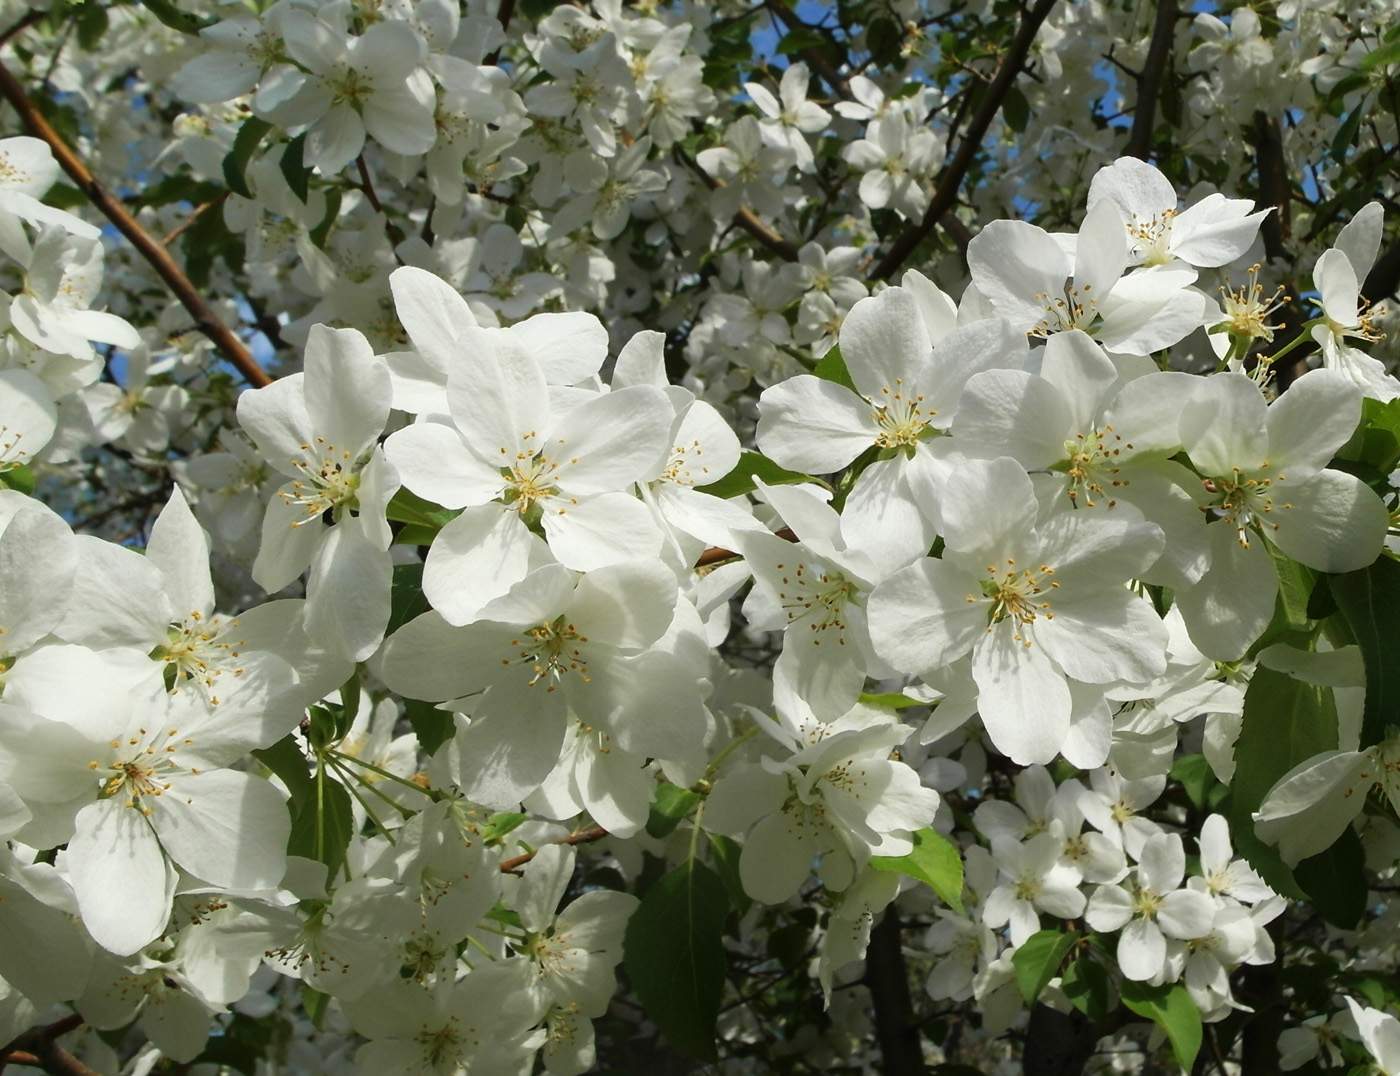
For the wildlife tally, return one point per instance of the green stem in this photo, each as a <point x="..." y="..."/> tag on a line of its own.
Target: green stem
<point x="1303" y="337"/>
<point x="342" y="757"/>
<point x="349" y="781"/>
<point x="743" y="737"/>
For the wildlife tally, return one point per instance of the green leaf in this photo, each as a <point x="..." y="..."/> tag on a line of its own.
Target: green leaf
<point x="1376" y="441"/>
<point x="1037" y="960"/>
<point x="319" y="234"/>
<point x="890" y="700"/>
<point x="1196" y="777"/>
<point x="65" y="196"/>
<point x="1346" y="133"/>
<point x="91" y="24"/>
<point x="1369" y="600"/>
<point x="935" y="862"/>
<point x="315" y="1003"/>
<point x="168" y="12"/>
<point x="294" y="171"/>
<point x="804" y="37"/>
<point x="501" y="823"/>
<point x="240" y="1044"/>
<point x="321" y="828"/>
<point x="432" y="726"/>
<point x="1295" y="587"/>
<point x="248" y="138"/>
<point x="1285" y="722"/>
<point x="406" y="600"/>
<point x="1170" y="1007"/>
<point x="1015" y="109"/>
<point x="883" y="37"/>
<point x="415" y="534"/>
<point x="18" y="477"/>
<point x="320" y="727"/>
<point x="674" y="954"/>
<point x="671" y="804"/>
<point x="1085" y="983"/>
<point x="832" y="367"/>
<point x="284" y="758"/>
<point x="726" y="855"/>
<point x="1382" y="57"/>
<point x="407" y="507"/>
<point x="1335" y="881"/>
<point x="750" y="466"/>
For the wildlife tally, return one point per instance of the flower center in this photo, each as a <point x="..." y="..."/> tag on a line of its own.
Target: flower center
<point x="1092" y="462"/>
<point x="331" y="485"/>
<point x="197" y="655"/>
<point x="441" y="1044"/>
<point x="552" y="650"/>
<point x="902" y="417"/>
<point x="1148" y="237"/>
<point x="1016" y="595"/>
<point x="683" y="465"/>
<point x="144" y="774"/>
<point x="1245" y="502"/>
<point x="1247" y="311"/>
<point x="1077" y="309"/>
<point x="532" y="478"/>
<point x="815" y="596"/>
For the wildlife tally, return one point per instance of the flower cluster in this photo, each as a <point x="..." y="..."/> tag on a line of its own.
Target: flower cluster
<point x="621" y="570"/>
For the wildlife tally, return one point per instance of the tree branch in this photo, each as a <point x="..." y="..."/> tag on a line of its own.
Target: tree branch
<point x="946" y="193"/>
<point x="1150" y="82"/>
<point x="835" y="81"/>
<point x="38" y="1049"/>
<point x="156" y="255"/>
<point x="507" y="10"/>
<point x="194" y="215"/>
<point x="745" y="218"/>
<point x="585" y="837"/>
<point x="716" y="554"/>
<point x="886" y="976"/>
<point x="1384" y="277"/>
<point x="29" y="19"/>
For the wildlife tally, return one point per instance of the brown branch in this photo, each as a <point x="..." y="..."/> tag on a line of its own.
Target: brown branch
<point x="504" y="14"/>
<point x="156" y="255"/>
<point x="34" y="15"/>
<point x="887" y="977"/>
<point x="366" y="185"/>
<point x="946" y="193"/>
<point x="715" y="554"/>
<point x="1150" y="83"/>
<point x="835" y="81"/>
<point x="194" y="215"/>
<point x="37" y="1049"/>
<point x="745" y="218"/>
<point x="1384" y="277"/>
<point x="587" y="836"/>
<point x="1273" y="185"/>
<point x="1274" y="190"/>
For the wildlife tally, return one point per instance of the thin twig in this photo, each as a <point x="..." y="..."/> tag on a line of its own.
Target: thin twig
<point x="1150" y="84"/>
<point x="946" y="193"/>
<point x="504" y="14"/>
<point x="587" y="836"/>
<point x="367" y="185"/>
<point x="716" y="554"/>
<point x="160" y="260"/>
<point x="745" y="217"/>
<point x="835" y="81"/>
<point x="31" y="17"/>
<point x="37" y="1048"/>
<point x="194" y="215"/>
